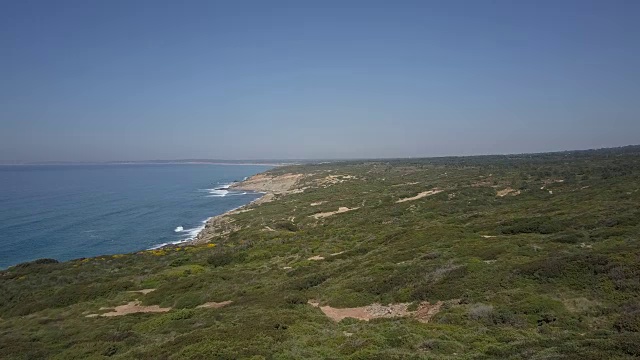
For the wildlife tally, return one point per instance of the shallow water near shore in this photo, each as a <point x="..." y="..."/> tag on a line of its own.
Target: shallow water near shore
<point x="71" y="211"/>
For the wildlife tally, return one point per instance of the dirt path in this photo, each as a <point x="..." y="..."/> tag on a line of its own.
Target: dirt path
<point x="143" y="291"/>
<point x="330" y="213"/>
<point x="421" y="195"/>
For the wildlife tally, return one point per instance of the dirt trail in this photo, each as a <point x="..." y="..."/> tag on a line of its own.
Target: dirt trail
<point x="143" y="291"/>
<point x="424" y="312"/>
<point x="330" y="213"/>
<point x="421" y="195"/>
<point x="406" y="184"/>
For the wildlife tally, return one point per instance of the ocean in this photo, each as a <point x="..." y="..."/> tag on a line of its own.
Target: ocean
<point x="72" y="211"/>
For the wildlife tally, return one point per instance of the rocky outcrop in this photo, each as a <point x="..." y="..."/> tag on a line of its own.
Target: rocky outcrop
<point x="275" y="184"/>
<point x="216" y="226"/>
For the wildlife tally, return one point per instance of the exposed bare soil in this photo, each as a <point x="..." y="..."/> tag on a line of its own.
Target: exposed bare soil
<point x="271" y="184"/>
<point x="132" y="307"/>
<point x="421" y="195"/>
<point x="143" y="291"/>
<point x="507" y="191"/>
<point x="214" y="305"/>
<point x="330" y="213"/>
<point x="374" y="311"/>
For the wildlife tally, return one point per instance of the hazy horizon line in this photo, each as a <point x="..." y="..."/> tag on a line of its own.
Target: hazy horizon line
<point x="284" y="161"/>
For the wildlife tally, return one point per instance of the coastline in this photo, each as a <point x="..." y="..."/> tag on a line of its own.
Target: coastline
<point x="270" y="186"/>
<point x="192" y="239"/>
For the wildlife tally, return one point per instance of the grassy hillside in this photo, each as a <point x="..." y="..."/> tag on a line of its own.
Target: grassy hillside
<point x="532" y="256"/>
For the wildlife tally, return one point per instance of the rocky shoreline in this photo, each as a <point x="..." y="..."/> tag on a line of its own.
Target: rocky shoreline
<point x="269" y="185"/>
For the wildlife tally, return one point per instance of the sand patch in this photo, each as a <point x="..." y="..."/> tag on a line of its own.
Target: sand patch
<point x="238" y="211"/>
<point x="316" y="258"/>
<point x="132" y="307"/>
<point x="330" y="213"/>
<point x="421" y="195"/>
<point x="214" y="305"/>
<point x="424" y="312"/>
<point x="317" y="203"/>
<point x="488" y="236"/>
<point x="406" y="184"/>
<point x="338" y="253"/>
<point x="143" y="291"/>
<point x="507" y="191"/>
<point x="334" y="179"/>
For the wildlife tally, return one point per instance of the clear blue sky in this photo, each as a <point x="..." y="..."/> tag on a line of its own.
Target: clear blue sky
<point x="131" y="80"/>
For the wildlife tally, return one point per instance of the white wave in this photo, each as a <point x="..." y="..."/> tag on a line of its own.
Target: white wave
<point x="179" y="229"/>
<point x="190" y="234"/>
<point x="219" y="192"/>
<point x="223" y="191"/>
<point x="236" y="193"/>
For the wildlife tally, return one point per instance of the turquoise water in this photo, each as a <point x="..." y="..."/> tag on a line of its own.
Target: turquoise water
<point x="71" y="211"/>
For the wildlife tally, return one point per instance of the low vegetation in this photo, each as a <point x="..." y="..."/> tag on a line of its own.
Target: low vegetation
<point x="548" y="270"/>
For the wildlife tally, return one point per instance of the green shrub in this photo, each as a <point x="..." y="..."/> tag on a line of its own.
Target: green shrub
<point x="286" y="225"/>
<point x="629" y="319"/>
<point x="179" y="262"/>
<point x="568" y="237"/>
<point x="220" y="259"/>
<point x="539" y="224"/>
<point x="309" y="281"/>
<point x="295" y="299"/>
